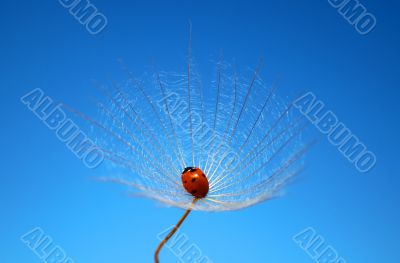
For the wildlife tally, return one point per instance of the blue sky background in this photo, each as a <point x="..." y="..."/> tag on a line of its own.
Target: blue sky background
<point x="307" y="43"/>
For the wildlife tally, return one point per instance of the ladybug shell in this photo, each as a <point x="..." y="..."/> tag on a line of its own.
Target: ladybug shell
<point x="195" y="182"/>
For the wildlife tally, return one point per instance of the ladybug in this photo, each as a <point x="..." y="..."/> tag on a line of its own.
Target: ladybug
<point x="195" y="182"/>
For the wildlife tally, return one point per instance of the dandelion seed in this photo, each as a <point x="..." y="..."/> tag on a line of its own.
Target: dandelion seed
<point x="226" y="147"/>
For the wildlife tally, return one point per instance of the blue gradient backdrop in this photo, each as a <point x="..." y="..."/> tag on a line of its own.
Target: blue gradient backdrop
<point x="307" y="43"/>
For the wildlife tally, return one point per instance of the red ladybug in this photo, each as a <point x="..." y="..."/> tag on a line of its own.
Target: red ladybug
<point x="195" y="182"/>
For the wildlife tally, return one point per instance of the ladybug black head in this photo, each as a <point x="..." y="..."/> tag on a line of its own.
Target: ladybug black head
<point x="189" y="169"/>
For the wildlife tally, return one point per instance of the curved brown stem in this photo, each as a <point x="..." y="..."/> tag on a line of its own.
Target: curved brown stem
<point x="165" y="240"/>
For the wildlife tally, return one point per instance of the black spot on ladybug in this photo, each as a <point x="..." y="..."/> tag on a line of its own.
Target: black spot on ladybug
<point x="185" y="182"/>
<point x="203" y="175"/>
<point x="193" y="192"/>
<point x="193" y="180"/>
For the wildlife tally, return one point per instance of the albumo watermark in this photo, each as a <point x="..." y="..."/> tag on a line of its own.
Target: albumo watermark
<point x="356" y="14"/>
<point x="65" y="129"/>
<point x="86" y="14"/>
<point x="44" y="247"/>
<point x="177" y="107"/>
<point x="181" y="246"/>
<point x="316" y="247"/>
<point x="338" y="134"/>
